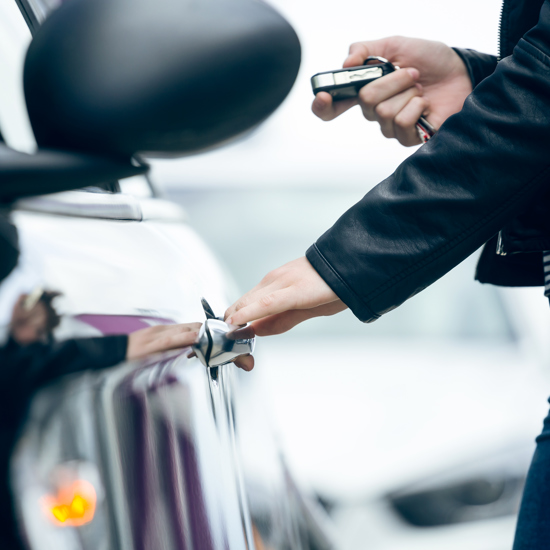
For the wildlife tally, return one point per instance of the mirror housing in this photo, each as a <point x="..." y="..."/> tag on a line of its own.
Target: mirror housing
<point x="50" y="171"/>
<point x="161" y="77"/>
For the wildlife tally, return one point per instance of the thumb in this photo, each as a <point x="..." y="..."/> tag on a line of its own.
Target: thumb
<point x="359" y="51"/>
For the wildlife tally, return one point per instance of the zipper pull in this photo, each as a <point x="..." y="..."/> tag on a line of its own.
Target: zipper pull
<point x="500" y="247"/>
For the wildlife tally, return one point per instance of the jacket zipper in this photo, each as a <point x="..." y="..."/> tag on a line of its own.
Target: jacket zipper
<point x="501" y="30"/>
<point x="500" y="248"/>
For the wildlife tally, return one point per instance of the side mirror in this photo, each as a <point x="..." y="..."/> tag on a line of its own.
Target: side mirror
<point x="162" y="77"/>
<point x="50" y="171"/>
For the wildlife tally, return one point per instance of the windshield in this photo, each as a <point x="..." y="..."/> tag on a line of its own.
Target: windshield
<point x="254" y="231"/>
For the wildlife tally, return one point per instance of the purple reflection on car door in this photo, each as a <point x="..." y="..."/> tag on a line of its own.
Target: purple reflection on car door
<point x="121" y="324"/>
<point x="195" y="497"/>
<point x="161" y="467"/>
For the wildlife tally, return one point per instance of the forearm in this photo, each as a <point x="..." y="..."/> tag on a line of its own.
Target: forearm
<point x="27" y="368"/>
<point x="482" y="169"/>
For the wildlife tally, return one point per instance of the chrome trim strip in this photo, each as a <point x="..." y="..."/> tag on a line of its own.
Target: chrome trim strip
<point x="85" y="205"/>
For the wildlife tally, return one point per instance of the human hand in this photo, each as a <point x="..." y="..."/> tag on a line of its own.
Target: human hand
<point x="168" y="337"/>
<point x="161" y="338"/>
<point x="34" y="317"/>
<point x="434" y="82"/>
<point x="28" y="325"/>
<point x="285" y="297"/>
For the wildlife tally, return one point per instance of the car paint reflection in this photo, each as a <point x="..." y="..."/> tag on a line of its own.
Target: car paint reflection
<point x="158" y="449"/>
<point x="120" y="324"/>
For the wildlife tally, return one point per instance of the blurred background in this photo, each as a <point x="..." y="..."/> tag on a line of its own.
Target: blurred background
<point x="415" y="431"/>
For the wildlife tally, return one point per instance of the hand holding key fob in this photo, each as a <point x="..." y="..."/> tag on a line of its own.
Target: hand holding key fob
<point x="346" y="83"/>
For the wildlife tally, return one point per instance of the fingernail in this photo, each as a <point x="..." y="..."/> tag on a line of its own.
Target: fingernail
<point x="229" y="321"/>
<point x="414" y="73"/>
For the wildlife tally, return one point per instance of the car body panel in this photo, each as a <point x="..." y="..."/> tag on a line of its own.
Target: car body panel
<point x="120" y="267"/>
<point x="155" y="433"/>
<point x="159" y="436"/>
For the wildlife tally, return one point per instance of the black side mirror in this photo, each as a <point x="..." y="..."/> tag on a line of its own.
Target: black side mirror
<point x="117" y="77"/>
<point x="49" y="171"/>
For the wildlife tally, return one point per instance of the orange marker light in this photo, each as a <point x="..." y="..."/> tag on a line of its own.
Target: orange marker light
<point x="74" y="504"/>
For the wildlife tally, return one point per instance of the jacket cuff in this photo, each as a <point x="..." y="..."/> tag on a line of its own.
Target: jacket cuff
<point x="479" y="65"/>
<point x="103" y="352"/>
<point x="337" y="284"/>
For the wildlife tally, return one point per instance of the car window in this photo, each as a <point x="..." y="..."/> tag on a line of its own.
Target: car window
<point x="254" y="231"/>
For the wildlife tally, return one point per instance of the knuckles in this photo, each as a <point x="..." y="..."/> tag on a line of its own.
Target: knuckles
<point x="403" y="121"/>
<point x="367" y="96"/>
<point x="266" y="300"/>
<point x="166" y="342"/>
<point x="386" y="132"/>
<point x="239" y="305"/>
<point x="384" y="111"/>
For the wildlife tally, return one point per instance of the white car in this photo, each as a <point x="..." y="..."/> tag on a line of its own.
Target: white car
<point x="164" y="453"/>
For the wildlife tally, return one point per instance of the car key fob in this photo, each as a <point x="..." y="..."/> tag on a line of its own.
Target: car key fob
<point x="346" y="83"/>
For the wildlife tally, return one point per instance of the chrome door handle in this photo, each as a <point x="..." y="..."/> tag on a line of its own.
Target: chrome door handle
<point x="219" y="343"/>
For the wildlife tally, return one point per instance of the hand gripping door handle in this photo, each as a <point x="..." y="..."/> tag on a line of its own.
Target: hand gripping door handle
<point x="219" y="343"/>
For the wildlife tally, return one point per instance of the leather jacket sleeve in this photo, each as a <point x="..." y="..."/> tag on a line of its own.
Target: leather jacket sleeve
<point x="25" y="368"/>
<point x="484" y="166"/>
<point x="479" y="65"/>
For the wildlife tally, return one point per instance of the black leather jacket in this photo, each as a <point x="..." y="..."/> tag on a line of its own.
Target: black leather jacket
<point x="484" y="178"/>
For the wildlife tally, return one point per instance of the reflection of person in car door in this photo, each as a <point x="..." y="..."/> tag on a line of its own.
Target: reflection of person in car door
<point x="49" y="360"/>
<point x="34" y="318"/>
<point x="482" y="179"/>
<point x="26" y="365"/>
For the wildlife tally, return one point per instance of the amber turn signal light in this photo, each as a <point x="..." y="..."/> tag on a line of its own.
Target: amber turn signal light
<point x="73" y="506"/>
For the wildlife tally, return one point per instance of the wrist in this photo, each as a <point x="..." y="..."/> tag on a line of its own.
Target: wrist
<point x="478" y="65"/>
